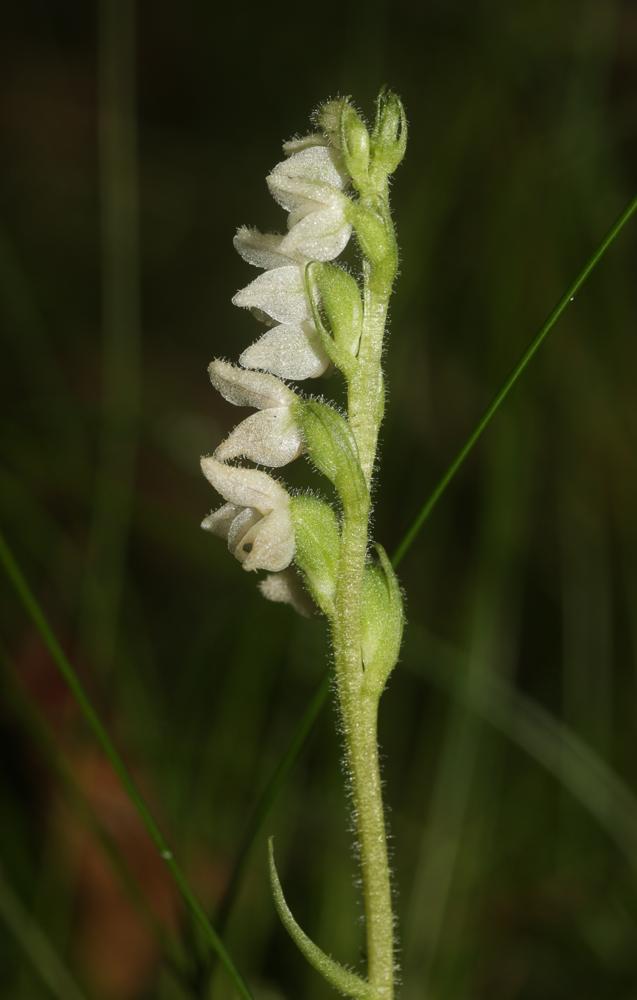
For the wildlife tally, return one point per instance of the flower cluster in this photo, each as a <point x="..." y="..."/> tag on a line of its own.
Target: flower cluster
<point x="255" y="521"/>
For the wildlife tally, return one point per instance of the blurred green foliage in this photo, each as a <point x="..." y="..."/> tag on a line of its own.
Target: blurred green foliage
<point x="131" y="152"/>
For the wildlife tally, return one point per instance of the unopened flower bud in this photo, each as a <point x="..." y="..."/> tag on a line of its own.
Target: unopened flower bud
<point x="389" y="138"/>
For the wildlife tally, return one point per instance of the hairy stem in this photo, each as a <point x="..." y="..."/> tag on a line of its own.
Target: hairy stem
<point x="359" y="711"/>
<point x="359" y="707"/>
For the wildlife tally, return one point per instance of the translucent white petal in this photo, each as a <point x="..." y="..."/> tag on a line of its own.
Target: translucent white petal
<point x="248" y="388"/>
<point x="244" y="487"/>
<point x="286" y="588"/>
<point x="288" y="351"/>
<point x="279" y="293"/>
<point x="270" y="543"/>
<point x="260" y="249"/>
<point x="218" y="521"/>
<point x="310" y="175"/>
<point x="320" y="235"/>
<point x="270" y="437"/>
<point x="242" y="523"/>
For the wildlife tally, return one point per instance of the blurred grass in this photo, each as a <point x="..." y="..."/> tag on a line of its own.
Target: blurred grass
<point x="522" y="151"/>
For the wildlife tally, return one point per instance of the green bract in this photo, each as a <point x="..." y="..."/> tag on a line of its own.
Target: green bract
<point x="332" y="448"/>
<point x="318" y="544"/>
<point x="340" y="299"/>
<point x="383" y="621"/>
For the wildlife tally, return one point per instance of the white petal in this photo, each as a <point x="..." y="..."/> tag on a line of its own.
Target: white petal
<point x="279" y="293"/>
<point x="244" y="487"/>
<point x="260" y="249"/>
<point x="288" y="351"/>
<point x="310" y="176"/>
<point x="242" y="523"/>
<point x="272" y="541"/>
<point x="270" y="437"/>
<point x="286" y="588"/>
<point x="303" y="142"/>
<point x="218" y="522"/>
<point x="320" y="235"/>
<point x="248" y="388"/>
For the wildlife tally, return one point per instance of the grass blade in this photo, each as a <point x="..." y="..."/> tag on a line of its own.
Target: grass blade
<point x="509" y="382"/>
<point x="36" y="614"/>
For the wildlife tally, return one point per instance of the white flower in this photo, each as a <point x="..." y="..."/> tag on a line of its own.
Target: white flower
<point x="256" y="519"/>
<point x="309" y="185"/>
<point x="269" y="437"/>
<point x="291" y="349"/>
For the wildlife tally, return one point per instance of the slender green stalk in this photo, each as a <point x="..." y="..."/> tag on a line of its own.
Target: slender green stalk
<point x="33" y="609"/>
<point x="358" y="705"/>
<point x="504" y="390"/>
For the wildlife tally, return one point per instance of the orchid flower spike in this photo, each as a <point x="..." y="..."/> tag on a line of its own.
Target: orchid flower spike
<point x="317" y="549"/>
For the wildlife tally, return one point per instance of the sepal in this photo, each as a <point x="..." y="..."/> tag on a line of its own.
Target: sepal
<point x="293" y="351"/>
<point x="248" y="388"/>
<point x="269" y="437"/>
<point x="318" y="542"/>
<point x="307" y="180"/>
<point x="383" y="621"/>
<point x="278" y="293"/>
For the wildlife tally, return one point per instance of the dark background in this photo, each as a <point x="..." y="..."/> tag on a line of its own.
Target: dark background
<point x="134" y="140"/>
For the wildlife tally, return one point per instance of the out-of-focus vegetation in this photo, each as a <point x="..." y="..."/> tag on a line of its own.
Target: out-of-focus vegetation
<point x="131" y="151"/>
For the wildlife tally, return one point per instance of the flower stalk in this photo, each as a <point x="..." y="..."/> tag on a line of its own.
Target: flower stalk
<point x="333" y="183"/>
